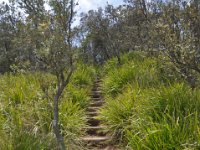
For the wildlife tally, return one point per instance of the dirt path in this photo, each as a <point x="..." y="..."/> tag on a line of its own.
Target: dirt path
<point x="96" y="138"/>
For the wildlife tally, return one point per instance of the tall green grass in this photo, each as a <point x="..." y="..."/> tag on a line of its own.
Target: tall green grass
<point x="150" y="111"/>
<point x="26" y="113"/>
<point x="26" y="108"/>
<point x="170" y="120"/>
<point x="118" y="113"/>
<point x="135" y="71"/>
<point x="81" y="83"/>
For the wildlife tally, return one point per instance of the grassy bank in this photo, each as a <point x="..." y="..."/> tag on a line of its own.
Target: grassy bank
<point x="147" y="108"/>
<point x="26" y="109"/>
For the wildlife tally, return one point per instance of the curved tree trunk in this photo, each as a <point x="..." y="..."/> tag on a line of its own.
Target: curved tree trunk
<point x="62" y="83"/>
<point x="56" y="128"/>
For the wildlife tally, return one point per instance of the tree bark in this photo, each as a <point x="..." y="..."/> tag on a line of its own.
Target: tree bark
<point x="62" y="83"/>
<point x="56" y="128"/>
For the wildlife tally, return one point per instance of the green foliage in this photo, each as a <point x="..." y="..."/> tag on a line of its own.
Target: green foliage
<point x="72" y="119"/>
<point x="26" y="109"/>
<point x="178" y="100"/>
<point x="169" y="120"/>
<point x="84" y="75"/>
<point x="167" y="70"/>
<point x="136" y="56"/>
<point x="29" y="141"/>
<point x="80" y="85"/>
<point x="78" y="95"/>
<point x="27" y="113"/>
<point x="118" y="113"/>
<point x="150" y="111"/>
<point x="109" y="65"/>
<point x="135" y="71"/>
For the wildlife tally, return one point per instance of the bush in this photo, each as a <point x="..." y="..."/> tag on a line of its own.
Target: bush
<point x="143" y="74"/>
<point x="83" y="75"/>
<point x="26" y="112"/>
<point x="170" y="120"/>
<point x="118" y="113"/>
<point x="26" y="109"/>
<point x="80" y="85"/>
<point x="149" y="110"/>
<point x="78" y="95"/>
<point x="73" y="120"/>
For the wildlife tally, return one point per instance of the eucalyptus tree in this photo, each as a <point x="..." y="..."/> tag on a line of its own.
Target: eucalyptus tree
<point x="27" y="38"/>
<point x="114" y="34"/>
<point x="137" y="23"/>
<point x="51" y="36"/>
<point x="178" y="32"/>
<point x="61" y="53"/>
<point x="94" y="27"/>
<point x="8" y="30"/>
<point x="170" y="27"/>
<point x="102" y="32"/>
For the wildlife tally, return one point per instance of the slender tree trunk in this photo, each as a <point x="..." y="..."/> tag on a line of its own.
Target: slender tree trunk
<point x="62" y="83"/>
<point x="106" y="53"/>
<point x="119" y="59"/>
<point x="115" y="47"/>
<point x="117" y="53"/>
<point x="56" y="128"/>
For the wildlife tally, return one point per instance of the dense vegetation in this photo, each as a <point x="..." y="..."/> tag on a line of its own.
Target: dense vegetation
<point x="146" y="110"/>
<point x="147" y="54"/>
<point x="26" y="109"/>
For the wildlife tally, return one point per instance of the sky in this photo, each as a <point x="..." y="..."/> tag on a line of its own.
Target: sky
<point x="85" y="5"/>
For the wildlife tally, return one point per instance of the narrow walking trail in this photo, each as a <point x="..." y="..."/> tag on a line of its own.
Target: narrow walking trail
<point x="96" y="138"/>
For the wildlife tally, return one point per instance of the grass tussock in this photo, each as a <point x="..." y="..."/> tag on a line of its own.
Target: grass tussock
<point x="26" y="108"/>
<point x="150" y="111"/>
<point x="147" y="107"/>
<point x="135" y="71"/>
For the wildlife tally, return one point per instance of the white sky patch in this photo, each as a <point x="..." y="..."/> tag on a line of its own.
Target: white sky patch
<point x="86" y="5"/>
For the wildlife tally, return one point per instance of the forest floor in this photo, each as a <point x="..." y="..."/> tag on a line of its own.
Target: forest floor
<point x="97" y="137"/>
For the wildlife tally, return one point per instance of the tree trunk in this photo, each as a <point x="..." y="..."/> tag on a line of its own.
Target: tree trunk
<point x="56" y="128"/>
<point x="117" y="54"/>
<point x="62" y="83"/>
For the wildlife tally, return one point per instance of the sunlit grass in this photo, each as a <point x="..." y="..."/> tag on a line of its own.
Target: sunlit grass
<point x="143" y="73"/>
<point x="150" y="111"/>
<point x="169" y="120"/>
<point x="26" y="107"/>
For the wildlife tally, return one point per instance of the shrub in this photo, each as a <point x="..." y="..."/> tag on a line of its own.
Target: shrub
<point x="73" y="120"/>
<point x="26" y="109"/>
<point x="144" y="74"/>
<point x="146" y="110"/>
<point x="83" y="75"/>
<point x="78" y="95"/>
<point x="170" y="120"/>
<point x="118" y="113"/>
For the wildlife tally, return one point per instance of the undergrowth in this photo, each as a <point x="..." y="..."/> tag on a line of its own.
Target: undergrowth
<point x="146" y="108"/>
<point x="26" y="108"/>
